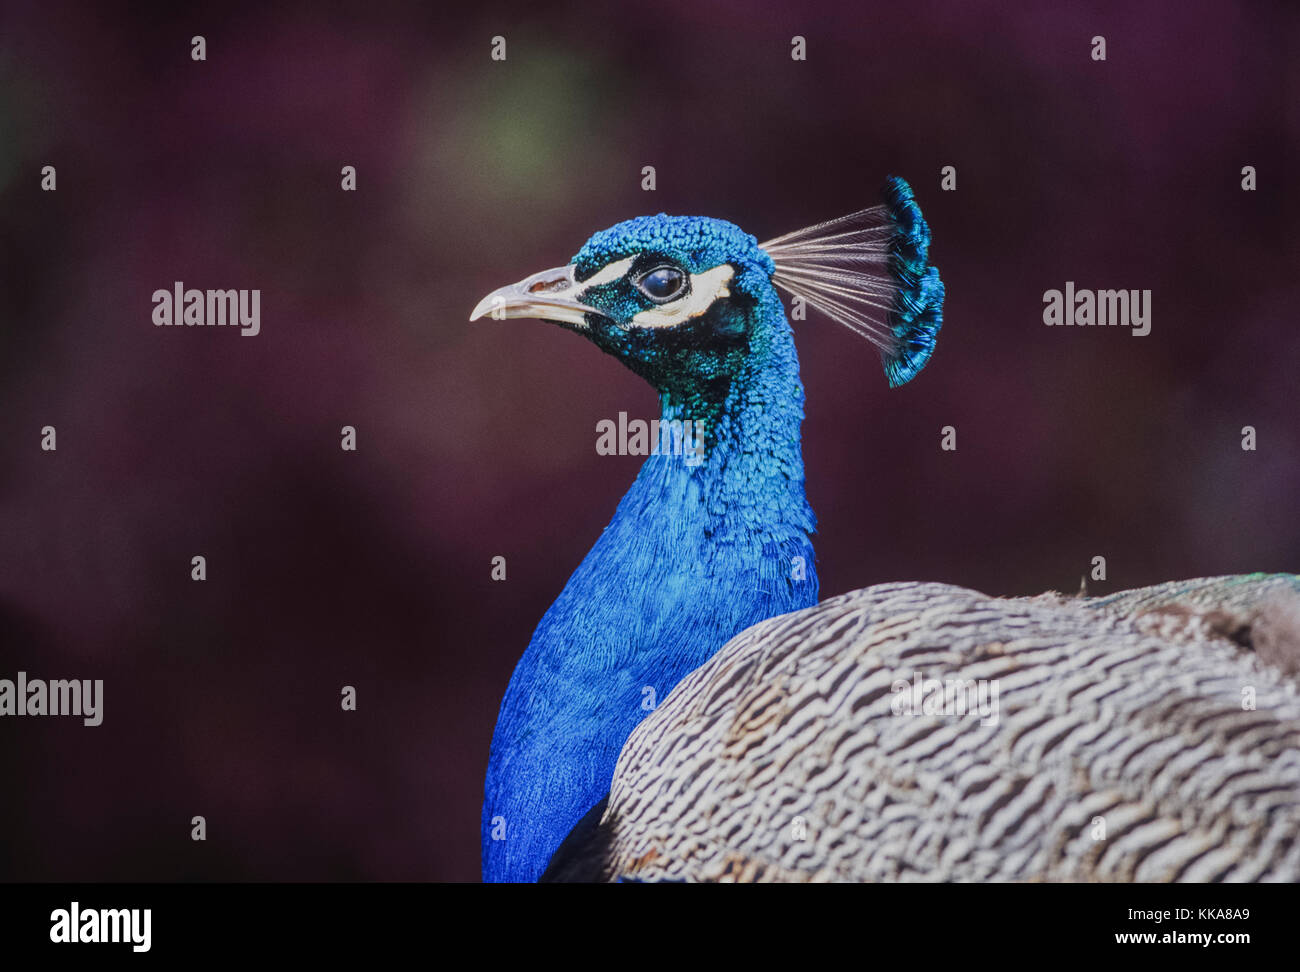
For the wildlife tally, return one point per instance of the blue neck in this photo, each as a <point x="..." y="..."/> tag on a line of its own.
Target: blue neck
<point x="693" y="556"/>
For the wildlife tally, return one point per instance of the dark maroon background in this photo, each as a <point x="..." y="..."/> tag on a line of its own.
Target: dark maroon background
<point x="372" y="568"/>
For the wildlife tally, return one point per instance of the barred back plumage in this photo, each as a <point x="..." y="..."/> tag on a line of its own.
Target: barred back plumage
<point x="1140" y="737"/>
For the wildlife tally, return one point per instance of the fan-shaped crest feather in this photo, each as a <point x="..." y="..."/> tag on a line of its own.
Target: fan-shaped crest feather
<point x="869" y="271"/>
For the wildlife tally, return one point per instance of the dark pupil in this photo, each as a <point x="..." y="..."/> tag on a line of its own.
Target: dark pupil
<point x="662" y="283"/>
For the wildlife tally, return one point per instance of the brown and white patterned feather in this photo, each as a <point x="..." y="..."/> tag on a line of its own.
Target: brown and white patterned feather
<point x="1152" y="735"/>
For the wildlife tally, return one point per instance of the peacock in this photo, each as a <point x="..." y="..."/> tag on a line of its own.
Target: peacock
<point x="906" y="731"/>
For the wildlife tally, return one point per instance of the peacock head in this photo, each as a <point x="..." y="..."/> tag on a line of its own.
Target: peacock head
<point x="690" y="303"/>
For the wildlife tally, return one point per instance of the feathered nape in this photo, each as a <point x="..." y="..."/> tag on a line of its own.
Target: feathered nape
<point x="869" y="271"/>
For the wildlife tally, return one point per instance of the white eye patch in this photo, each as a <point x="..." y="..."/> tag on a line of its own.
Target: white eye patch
<point x="706" y="287"/>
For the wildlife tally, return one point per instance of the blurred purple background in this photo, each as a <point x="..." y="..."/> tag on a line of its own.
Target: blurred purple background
<point x="371" y="568"/>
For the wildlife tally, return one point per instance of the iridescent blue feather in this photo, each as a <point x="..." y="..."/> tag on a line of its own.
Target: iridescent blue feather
<point x="917" y="314"/>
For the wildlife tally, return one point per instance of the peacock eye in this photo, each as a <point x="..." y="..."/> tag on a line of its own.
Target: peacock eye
<point x="662" y="284"/>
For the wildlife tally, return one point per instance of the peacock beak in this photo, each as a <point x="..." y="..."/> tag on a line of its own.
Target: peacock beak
<point x="551" y="295"/>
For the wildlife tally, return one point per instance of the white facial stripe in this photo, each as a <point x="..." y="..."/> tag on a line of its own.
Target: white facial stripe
<point x="705" y="289"/>
<point x="608" y="274"/>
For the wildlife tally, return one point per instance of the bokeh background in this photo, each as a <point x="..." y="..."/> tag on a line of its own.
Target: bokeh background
<point x="328" y="568"/>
